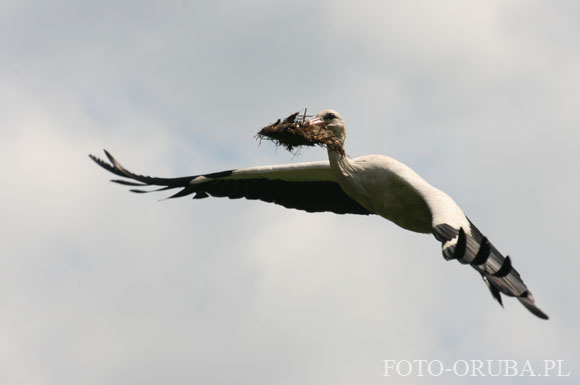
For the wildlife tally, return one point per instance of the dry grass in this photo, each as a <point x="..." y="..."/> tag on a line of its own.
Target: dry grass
<point x="294" y="131"/>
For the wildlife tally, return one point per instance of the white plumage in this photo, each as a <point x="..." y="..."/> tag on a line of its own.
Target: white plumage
<point x="372" y="184"/>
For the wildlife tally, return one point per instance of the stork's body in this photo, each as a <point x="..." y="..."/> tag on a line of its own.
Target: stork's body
<point x="391" y="189"/>
<point x="372" y="184"/>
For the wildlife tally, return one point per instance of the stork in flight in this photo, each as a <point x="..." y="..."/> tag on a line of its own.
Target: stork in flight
<point x="372" y="184"/>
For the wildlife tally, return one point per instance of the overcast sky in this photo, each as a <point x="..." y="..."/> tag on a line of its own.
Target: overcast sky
<point x="100" y="286"/>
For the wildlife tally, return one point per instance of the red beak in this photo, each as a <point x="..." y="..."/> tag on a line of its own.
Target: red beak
<point x="316" y="121"/>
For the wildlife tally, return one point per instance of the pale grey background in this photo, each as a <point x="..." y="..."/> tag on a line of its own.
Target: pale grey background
<point x="100" y="286"/>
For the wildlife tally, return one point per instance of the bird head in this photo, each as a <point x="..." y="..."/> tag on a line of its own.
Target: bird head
<point x="331" y="120"/>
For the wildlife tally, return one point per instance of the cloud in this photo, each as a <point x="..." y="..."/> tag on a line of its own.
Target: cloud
<point x="102" y="286"/>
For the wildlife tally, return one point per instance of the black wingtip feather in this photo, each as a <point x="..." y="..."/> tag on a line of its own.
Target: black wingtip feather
<point x="110" y="157"/>
<point x="112" y="167"/>
<point x="505" y="268"/>
<point x="137" y="191"/>
<point x="527" y="299"/>
<point x="201" y="195"/>
<point x="494" y="290"/>
<point x="537" y="312"/>
<point x="127" y="183"/>
<point x="460" y="247"/>
<point x="99" y="161"/>
<point x="483" y="253"/>
<point x="180" y="193"/>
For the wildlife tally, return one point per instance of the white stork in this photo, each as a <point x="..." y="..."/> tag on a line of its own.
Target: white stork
<point x="372" y="184"/>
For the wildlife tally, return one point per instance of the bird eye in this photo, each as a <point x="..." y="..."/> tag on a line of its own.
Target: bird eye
<point x="329" y="116"/>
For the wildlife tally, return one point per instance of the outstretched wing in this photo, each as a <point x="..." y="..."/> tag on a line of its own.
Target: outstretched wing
<point x="470" y="246"/>
<point x="304" y="186"/>
<point x="462" y="241"/>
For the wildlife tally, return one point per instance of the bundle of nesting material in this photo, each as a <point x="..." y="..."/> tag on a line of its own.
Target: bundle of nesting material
<point x="295" y="131"/>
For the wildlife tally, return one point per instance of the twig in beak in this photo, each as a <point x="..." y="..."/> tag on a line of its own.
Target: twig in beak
<point x="291" y="133"/>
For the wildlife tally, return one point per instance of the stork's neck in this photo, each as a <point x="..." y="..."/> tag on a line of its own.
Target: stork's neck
<point x="340" y="163"/>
